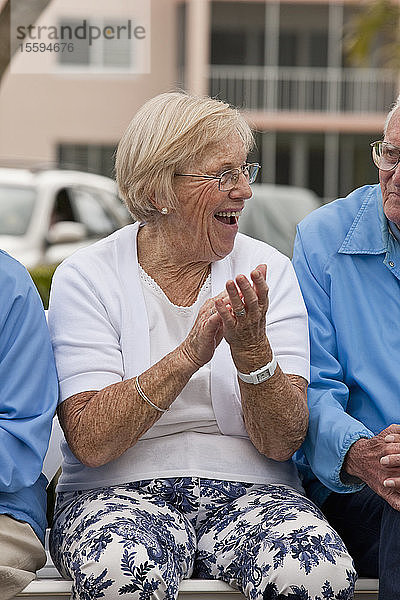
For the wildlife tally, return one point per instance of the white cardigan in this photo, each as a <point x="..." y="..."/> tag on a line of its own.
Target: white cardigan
<point x="99" y="329"/>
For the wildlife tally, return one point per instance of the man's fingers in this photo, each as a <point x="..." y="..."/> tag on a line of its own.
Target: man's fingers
<point x="392" y="482"/>
<point x="392" y="429"/>
<point x="390" y="460"/>
<point x="392" y="437"/>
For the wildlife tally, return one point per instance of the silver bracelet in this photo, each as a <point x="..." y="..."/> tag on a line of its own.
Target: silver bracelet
<point x="145" y="398"/>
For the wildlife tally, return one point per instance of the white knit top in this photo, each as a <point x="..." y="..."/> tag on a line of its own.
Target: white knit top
<point x="110" y="321"/>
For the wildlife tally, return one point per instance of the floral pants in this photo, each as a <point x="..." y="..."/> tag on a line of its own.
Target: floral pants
<point x="139" y="540"/>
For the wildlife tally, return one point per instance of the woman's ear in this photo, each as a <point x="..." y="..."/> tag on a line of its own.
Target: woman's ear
<point x="163" y="210"/>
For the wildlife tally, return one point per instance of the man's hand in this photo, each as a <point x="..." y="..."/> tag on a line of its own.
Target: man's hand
<point x="377" y="462"/>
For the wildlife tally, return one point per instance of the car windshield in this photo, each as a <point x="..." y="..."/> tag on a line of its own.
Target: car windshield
<point x="16" y="207"/>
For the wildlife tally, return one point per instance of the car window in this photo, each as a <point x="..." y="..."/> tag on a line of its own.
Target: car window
<point x="90" y="210"/>
<point x="62" y="209"/>
<point x="120" y="207"/>
<point x="16" y="208"/>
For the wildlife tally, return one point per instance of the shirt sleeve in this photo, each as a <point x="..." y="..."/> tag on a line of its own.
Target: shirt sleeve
<point x="331" y="429"/>
<point x="28" y="381"/>
<point x="86" y="343"/>
<point x="287" y="327"/>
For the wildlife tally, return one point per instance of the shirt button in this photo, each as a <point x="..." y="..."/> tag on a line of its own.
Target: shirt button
<point x="391" y="263"/>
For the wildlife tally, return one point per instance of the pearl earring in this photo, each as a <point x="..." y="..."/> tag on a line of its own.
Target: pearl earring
<point x="164" y="210"/>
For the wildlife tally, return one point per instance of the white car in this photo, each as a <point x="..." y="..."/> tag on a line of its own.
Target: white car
<point x="45" y="215"/>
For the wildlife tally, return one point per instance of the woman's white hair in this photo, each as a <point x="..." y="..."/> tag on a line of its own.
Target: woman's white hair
<point x="168" y="134"/>
<point x="395" y="106"/>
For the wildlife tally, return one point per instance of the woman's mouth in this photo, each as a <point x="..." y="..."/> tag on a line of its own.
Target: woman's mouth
<point x="228" y="217"/>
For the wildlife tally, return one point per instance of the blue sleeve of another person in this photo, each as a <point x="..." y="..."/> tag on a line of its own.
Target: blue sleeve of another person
<point x="28" y="380"/>
<point x="332" y="430"/>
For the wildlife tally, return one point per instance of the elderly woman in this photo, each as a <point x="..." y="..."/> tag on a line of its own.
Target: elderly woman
<point x="183" y="382"/>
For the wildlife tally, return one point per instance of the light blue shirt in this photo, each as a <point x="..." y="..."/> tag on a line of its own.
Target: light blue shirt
<point x="28" y="396"/>
<point x="348" y="266"/>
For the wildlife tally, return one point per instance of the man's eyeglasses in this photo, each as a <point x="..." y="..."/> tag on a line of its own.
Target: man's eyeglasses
<point x="385" y="156"/>
<point x="229" y="179"/>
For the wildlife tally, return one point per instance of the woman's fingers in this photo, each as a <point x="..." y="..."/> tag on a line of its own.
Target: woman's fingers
<point x="255" y="296"/>
<point x="258" y="277"/>
<point x="235" y="299"/>
<point x="226" y="312"/>
<point x="243" y="299"/>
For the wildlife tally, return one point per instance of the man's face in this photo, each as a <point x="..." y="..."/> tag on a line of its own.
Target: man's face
<point x="390" y="180"/>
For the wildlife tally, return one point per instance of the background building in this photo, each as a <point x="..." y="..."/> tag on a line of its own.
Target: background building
<point x="283" y="63"/>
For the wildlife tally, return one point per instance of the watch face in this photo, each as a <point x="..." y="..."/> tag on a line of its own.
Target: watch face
<point x="263" y="376"/>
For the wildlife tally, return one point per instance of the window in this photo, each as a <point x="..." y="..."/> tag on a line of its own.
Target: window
<point x="237" y="36"/>
<point x="87" y="157"/>
<point x="80" y="55"/>
<point x="16" y="208"/>
<point x="310" y="160"/>
<point x="228" y="48"/>
<point x="92" y="213"/>
<point x="112" y="52"/>
<point x="116" y="52"/>
<point x="84" y="204"/>
<point x="355" y="164"/>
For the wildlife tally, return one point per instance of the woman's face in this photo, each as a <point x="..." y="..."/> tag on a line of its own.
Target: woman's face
<point x="199" y="225"/>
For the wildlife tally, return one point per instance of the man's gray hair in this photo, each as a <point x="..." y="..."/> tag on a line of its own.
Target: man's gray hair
<point x="395" y="106"/>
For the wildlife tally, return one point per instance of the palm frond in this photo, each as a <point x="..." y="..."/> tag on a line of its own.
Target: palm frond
<point x="373" y="34"/>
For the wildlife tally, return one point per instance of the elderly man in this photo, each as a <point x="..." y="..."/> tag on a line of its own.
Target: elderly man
<point x="28" y="398"/>
<point x="347" y="259"/>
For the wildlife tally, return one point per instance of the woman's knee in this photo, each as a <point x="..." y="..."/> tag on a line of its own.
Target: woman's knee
<point x="320" y="575"/>
<point x="124" y="571"/>
<point x="137" y="546"/>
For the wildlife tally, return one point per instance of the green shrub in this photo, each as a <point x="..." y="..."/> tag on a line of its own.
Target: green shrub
<point x="42" y="276"/>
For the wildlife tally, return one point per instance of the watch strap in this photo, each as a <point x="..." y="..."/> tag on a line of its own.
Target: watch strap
<point x="260" y="375"/>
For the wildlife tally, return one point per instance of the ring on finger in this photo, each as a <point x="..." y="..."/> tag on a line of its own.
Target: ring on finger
<point x="240" y="313"/>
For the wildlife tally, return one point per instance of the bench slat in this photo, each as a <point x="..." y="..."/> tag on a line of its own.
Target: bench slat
<point x="200" y="589"/>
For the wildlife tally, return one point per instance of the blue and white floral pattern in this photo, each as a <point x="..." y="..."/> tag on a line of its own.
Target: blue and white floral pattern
<point x="141" y="539"/>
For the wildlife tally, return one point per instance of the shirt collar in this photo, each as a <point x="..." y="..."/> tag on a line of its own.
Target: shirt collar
<point x="394" y="230"/>
<point x="369" y="232"/>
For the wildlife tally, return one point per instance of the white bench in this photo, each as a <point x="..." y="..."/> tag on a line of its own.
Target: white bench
<point x="49" y="585"/>
<point x="190" y="589"/>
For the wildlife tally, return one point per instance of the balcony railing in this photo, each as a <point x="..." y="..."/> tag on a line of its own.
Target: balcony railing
<point x="305" y="89"/>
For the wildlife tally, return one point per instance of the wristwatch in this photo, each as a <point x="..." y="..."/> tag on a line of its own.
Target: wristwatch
<point x="261" y="374"/>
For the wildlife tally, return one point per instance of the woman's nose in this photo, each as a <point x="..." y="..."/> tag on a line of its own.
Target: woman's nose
<point x="242" y="189"/>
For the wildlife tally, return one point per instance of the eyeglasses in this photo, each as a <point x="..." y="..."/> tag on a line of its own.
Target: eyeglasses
<point x="385" y="156"/>
<point x="229" y="179"/>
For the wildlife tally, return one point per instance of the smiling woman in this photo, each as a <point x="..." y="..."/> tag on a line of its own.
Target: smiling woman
<point x="183" y="378"/>
<point x="198" y="230"/>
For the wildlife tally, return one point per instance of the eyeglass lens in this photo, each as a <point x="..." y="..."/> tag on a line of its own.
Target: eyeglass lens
<point x="231" y="178"/>
<point x="385" y="156"/>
